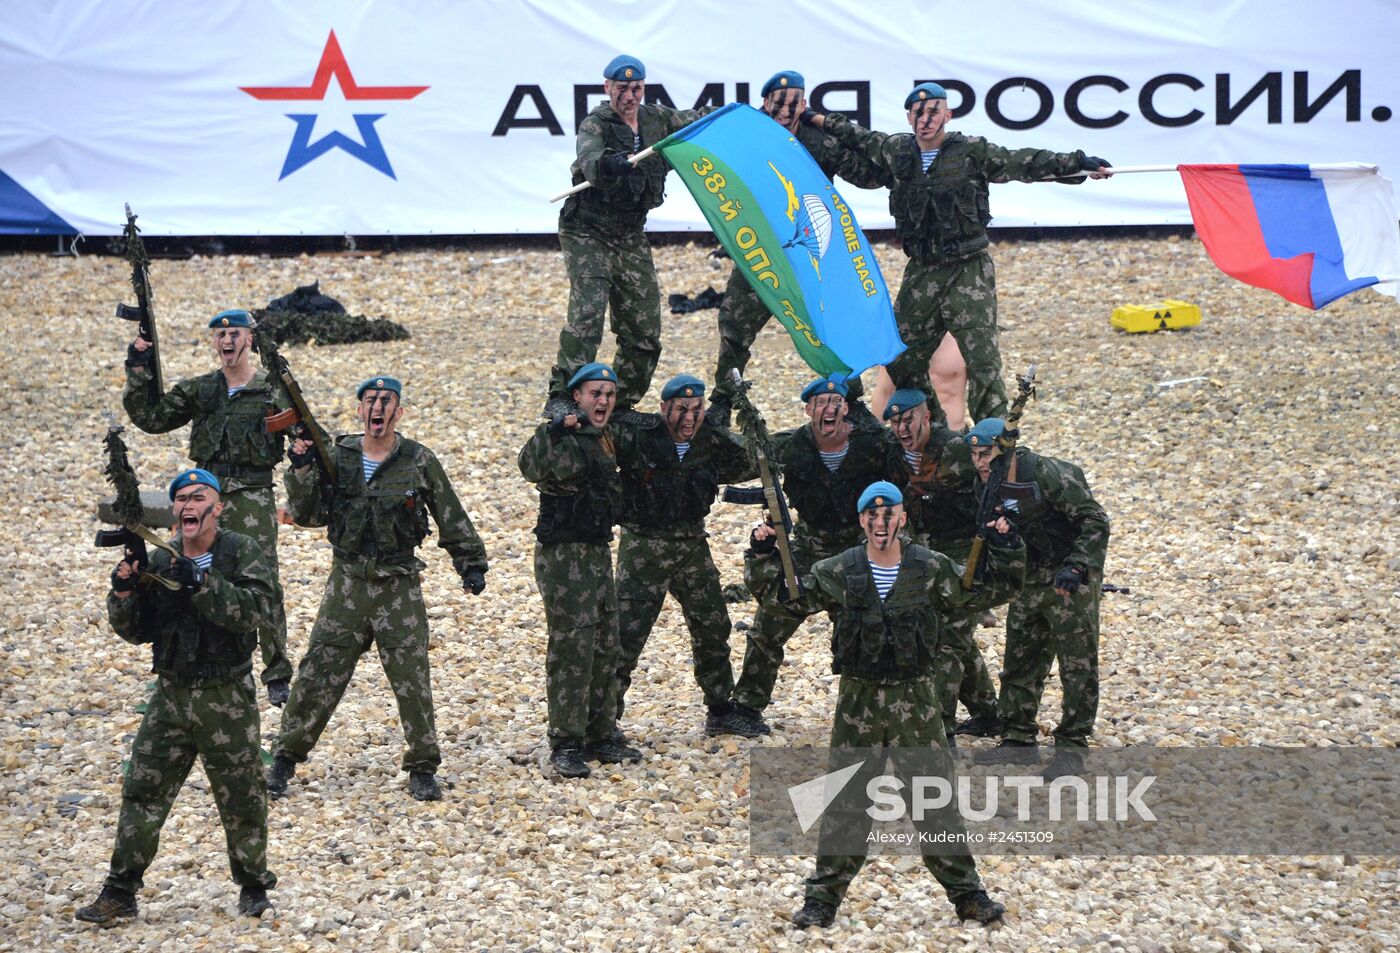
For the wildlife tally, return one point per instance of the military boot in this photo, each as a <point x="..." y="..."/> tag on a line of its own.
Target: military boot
<point x="747" y="721"/>
<point x="252" y="901"/>
<point x="608" y="751"/>
<point x="111" y="905"/>
<point x="279" y="775"/>
<point x="567" y="759"/>
<point x="814" y="913"/>
<point x="1067" y="762"/>
<point x="726" y="720"/>
<point x="423" y="786"/>
<point x="1008" y="751"/>
<point x="718" y="413"/>
<point x="860" y="417"/>
<point x="278" y="691"/>
<point x="559" y="407"/>
<point x="981" y="726"/>
<point x="976" y="905"/>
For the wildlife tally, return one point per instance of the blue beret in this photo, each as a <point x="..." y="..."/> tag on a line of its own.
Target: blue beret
<point x="906" y="398"/>
<point x="232" y="318"/>
<point x="683" y="385"/>
<point x="823" y="386"/>
<point x="193" y="477"/>
<point x="785" y="79"/>
<point x="924" y="91"/>
<point x="592" y="372"/>
<point x="879" y="494"/>
<point x="382" y="382"/>
<point x="625" y="68"/>
<point x="985" y="434"/>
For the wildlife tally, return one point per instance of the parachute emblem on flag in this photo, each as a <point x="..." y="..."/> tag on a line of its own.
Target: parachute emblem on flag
<point x="811" y="221"/>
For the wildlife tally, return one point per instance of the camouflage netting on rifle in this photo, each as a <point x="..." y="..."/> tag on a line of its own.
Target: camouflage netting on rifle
<point x="127" y="506"/>
<point x="307" y="315"/>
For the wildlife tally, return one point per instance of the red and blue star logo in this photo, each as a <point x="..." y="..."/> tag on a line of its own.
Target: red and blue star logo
<point x="371" y="150"/>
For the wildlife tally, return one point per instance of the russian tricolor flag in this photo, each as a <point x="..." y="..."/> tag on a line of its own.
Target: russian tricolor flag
<point x="1309" y="233"/>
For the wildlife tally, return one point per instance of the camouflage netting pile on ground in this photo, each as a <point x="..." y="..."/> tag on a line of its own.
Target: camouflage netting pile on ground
<point x="1247" y="466"/>
<point x="306" y="315"/>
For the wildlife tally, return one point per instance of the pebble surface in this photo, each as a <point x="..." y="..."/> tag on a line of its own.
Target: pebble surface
<point x="1254" y="517"/>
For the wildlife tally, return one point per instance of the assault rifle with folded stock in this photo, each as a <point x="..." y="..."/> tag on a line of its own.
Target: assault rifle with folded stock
<point x="991" y="492"/>
<point x="144" y="313"/>
<point x="770" y="496"/>
<point x="133" y="535"/>
<point x="298" y="415"/>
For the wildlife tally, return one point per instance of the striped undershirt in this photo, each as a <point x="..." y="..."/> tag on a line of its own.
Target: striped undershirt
<point x="203" y="561"/>
<point x="914" y="458"/>
<point x="834" y="458"/>
<point x="234" y="390"/>
<point x="370" y="467"/>
<point x="927" y="158"/>
<point x="884" y="578"/>
<point x="682" y="449"/>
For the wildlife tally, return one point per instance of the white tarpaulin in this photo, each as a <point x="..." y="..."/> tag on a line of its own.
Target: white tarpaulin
<point x="236" y="118"/>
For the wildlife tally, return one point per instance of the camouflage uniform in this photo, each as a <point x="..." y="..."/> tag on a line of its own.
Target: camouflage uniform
<point x="884" y="650"/>
<point x="941" y="500"/>
<point x="603" y="237"/>
<point x="580" y="500"/>
<point x="228" y="439"/>
<point x="374" y="596"/>
<point x="665" y="548"/>
<point x="1062" y="524"/>
<point x="940" y="216"/>
<point x="204" y="705"/>
<point x="827" y="524"/>
<point x="742" y="315"/>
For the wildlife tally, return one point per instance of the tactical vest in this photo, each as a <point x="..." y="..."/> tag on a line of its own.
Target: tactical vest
<point x="826" y="501"/>
<point x="938" y="510"/>
<point x="184" y="645"/>
<point x="385" y="518"/>
<point x="1049" y="534"/>
<point x="622" y="202"/>
<point x="588" y="515"/>
<point x="227" y="432"/>
<point x="941" y="214"/>
<point x="891" y="640"/>
<point x="666" y="491"/>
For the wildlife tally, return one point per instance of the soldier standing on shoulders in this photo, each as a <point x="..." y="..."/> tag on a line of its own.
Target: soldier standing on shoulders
<point x="671" y="470"/>
<point x="202" y="637"/>
<point x="572" y="460"/>
<point x="1056" y="615"/>
<point x="940" y="206"/>
<point x="887" y="600"/>
<point x="225" y="409"/>
<point x="602" y="232"/>
<point x="940" y="501"/>
<point x="376" y="512"/>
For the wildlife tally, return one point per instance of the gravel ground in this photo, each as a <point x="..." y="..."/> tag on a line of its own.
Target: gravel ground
<point x="1254" y="517"/>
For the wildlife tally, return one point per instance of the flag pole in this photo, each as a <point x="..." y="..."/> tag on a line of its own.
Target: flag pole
<point x="634" y="159"/>
<point x="1130" y="169"/>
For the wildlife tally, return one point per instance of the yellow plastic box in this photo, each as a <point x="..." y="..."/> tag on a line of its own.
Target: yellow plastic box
<point x="1163" y="316"/>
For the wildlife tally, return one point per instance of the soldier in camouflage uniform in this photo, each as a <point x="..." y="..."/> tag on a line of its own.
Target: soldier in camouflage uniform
<point x="671" y="470"/>
<point x="1056" y="615"/>
<point x="602" y="231"/>
<point x="825" y="466"/>
<point x="742" y="314"/>
<point x="572" y="460"/>
<point x="376" y="514"/>
<point x="226" y="409"/>
<point x="937" y="479"/>
<point x="887" y="601"/>
<point x="202" y="637"/>
<point x="940" y="208"/>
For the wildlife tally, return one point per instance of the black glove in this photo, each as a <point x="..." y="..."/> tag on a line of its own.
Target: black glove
<point x="135" y="358"/>
<point x="300" y="460"/>
<point x="762" y="547"/>
<point x="807" y="115"/>
<point x="616" y="165"/>
<point x="1070" y="578"/>
<point x="474" y="581"/>
<point x="123" y="585"/>
<point x="1008" y="539"/>
<point x="557" y="427"/>
<point x="1092" y="163"/>
<point x="187" y="573"/>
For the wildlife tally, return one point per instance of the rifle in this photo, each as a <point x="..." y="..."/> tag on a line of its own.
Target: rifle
<point x="991" y="493"/>
<point x="144" y="312"/>
<point x="753" y="426"/>
<point x="133" y="534"/>
<point x="298" y="415"/>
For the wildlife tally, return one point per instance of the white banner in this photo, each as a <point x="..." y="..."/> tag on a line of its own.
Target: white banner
<point x="277" y="118"/>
